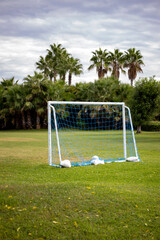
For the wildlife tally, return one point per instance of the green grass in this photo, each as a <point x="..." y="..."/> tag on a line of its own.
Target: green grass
<point x="113" y="201"/>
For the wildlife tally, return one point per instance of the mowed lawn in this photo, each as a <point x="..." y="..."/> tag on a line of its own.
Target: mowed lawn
<point x="111" y="201"/>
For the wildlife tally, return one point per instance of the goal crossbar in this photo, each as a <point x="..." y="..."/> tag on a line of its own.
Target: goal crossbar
<point x="85" y="103"/>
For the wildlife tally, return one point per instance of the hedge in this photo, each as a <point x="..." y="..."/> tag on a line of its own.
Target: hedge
<point x="151" y="126"/>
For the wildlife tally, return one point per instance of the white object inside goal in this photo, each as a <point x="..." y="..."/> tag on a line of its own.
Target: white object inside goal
<point x="132" y="159"/>
<point x="88" y="133"/>
<point x="96" y="161"/>
<point x="65" y="163"/>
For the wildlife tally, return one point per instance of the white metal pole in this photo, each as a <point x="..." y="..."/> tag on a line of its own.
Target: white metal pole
<point x="134" y="141"/>
<point x="86" y="103"/>
<point x="49" y="134"/>
<point x="124" y="131"/>
<point x="55" y="121"/>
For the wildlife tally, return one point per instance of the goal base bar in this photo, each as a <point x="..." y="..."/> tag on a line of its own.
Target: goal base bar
<point x="74" y="164"/>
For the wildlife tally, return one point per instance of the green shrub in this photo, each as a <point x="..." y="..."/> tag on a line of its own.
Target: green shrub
<point x="151" y="126"/>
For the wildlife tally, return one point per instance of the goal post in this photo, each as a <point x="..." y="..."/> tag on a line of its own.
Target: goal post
<point x="77" y="131"/>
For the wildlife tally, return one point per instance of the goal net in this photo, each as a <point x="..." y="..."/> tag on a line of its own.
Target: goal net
<point x="80" y="130"/>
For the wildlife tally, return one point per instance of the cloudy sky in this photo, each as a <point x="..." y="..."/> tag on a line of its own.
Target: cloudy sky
<point x="28" y="27"/>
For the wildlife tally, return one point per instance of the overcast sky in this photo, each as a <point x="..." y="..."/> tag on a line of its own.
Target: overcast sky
<point x="28" y="27"/>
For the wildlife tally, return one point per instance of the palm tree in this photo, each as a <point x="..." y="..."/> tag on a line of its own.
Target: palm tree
<point x="35" y="97"/>
<point x="58" y="62"/>
<point x="7" y="106"/>
<point x="15" y="99"/>
<point x="23" y="99"/>
<point x="63" y="64"/>
<point x="133" y="61"/>
<point x="116" y="61"/>
<point x="54" y="58"/>
<point x="28" y="105"/>
<point x="75" y="67"/>
<point x="52" y="64"/>
<point x="100" y="62"/>
<point x="43" y="65"/>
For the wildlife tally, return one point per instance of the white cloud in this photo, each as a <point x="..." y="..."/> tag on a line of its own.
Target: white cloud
<point x="18" y="56"/>
<point x="25" y="37"/>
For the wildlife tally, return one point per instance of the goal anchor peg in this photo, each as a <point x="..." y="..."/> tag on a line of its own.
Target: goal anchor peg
<point x="132" y="159"/>
<point x="65" y="164"/>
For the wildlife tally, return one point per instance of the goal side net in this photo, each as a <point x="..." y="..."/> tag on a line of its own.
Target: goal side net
<point x="80" y="130"/>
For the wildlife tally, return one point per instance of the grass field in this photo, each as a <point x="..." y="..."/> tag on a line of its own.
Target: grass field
<point x="111" y="201"/>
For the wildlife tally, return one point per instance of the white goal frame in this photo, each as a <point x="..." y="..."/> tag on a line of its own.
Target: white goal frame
<point x="51" y="108"/>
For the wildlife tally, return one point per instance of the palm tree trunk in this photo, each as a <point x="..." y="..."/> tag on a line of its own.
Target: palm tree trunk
<point x="50" y="77"/>
<point x="23" y="120"/>
<point x="70" y="79"/>
<point x="45" y="122"/>
<point x="131" y="82"/>
<point x="100" y="73"/>
<point x="55" y="76"/>
<point x="4" y="123"/>
<point x="139" y="129"/>
<point x="17" y="122"/>
<point x="64" y="77"/>
<point x="117" y="72"/>
<point x="38" y="125"/>
<point x="29" y="121"/>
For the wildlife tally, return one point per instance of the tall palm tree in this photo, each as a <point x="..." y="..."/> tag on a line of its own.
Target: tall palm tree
<point x="52" y="64"/>
<point x="53" y="58"/>
<point x="42" y="64"/>
<point x="100" y="62"/>
<point x="75" y="67"/>
<point x="133" y="61"/>
<point x="116" y="59"/>
<point x="63" y="64"/>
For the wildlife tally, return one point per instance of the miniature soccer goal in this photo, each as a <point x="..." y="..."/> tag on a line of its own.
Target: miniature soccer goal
<point x="80" y="130"/>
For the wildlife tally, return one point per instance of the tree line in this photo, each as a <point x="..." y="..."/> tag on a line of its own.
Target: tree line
<point x="24" y="106"/>
<point x="58" y="62"/>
